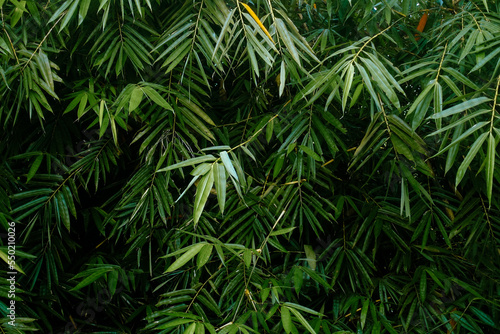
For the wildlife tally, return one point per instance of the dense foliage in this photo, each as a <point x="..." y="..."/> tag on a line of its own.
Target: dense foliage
<point x="251" y="167"/>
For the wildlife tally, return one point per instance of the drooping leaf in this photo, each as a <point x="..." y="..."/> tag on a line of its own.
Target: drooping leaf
<point x="187" y="255"/>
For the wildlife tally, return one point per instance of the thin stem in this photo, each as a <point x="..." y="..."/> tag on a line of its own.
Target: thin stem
<point x="441" y="62"/>
<point x="43" y="40"/>
<point x="494" y="105"/>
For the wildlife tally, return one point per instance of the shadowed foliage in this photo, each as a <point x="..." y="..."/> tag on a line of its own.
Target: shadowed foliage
<point x="268" y="166"/>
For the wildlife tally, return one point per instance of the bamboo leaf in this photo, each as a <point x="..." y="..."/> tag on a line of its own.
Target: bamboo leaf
<point x="156" y="97"/>
<point x="204" y="255"/>
<point x="423" y="286"/>
<point x="310" y="152"/>
<point x="311" y="256"/>
<point x="175" y="323"/>
<point x="63" y="210"/>
<point x="364" y="312"/>
<point x="486" y="59"/>
<point x="91" y="278"/>
<point x="189" y="162"/>
<point x="461" y="107"/>
<point x="223" y="31"/>
<point x="302" y="320"/>
<point x="470" y="155"/>
<point x="282" y="231"/>
<point x="34" y="167"/>
<point x="84" y="7"/>
<point x="287" y="40"/>
<point x="286" y="319"/>
<point x="196" y="109"/>
<point x="301" y="307"/>
<point x="202" y="192"/>
<point x="5" y="258"/>
<point x="69" y="14"/>
<point x="135" y="98"/>
<point x="347" y="84"/>
<point x="228" y="164"/>
<point x="189" y="253"/>
<point x="282" y="77"/>
<point x="191" y="328"/>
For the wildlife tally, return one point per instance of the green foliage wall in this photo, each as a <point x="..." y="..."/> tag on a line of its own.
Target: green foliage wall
<point x="251" y="167"/>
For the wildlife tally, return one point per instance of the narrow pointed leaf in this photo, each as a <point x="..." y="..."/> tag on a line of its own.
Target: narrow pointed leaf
<point x="347" y="84"/>
<point x="461" y="107"/>
<point x="189" y="162"/>
<point x="202" y="192"/>
<point x="204" y="255"/>
<point x="302" y="320"/>
<point x="468" y="158"/>
<point x="220" y="180"/>
<point x="228" y="164"/>
<point x="184" y="258"/>
<point x="34" y="167"/>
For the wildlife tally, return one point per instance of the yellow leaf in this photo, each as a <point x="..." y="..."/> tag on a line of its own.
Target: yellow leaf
<point x="256" y="18"/>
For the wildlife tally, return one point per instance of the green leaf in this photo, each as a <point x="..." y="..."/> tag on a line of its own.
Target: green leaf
<point x="227" y="163"/>
<point x="63" y="210"/>
<point x="302" y="320"/>
<point x="368" y="83"/>
<point x="92" y="277"/>
<point x="34" y="167"/>
<point x="190" y="329"/>
<point x="282" y="77"/>
<point x="69" y="14"/>
<point x="282" y="231"/>
<point x="216" y="148"/>
<point x="486" y="59"/>
<point x="269" y="130"/>
<point x="423" y="286"/>
<point x="189" y="162"/>
<point x="298" y="279"/>
<point x="461" y="107"/>
<point x="5" y="257"/>
<point x="287" y="39"/>
<point x="200" y="329"/>
<point x="84" y="7"/>
<point x="223" y="31"/>
<point x="220" y="179"/>
<point x="316" y="277"/>
<point x="310" y="152"/>
<point x="453" y="151"/>
<point x="157" y="98"/>
<point x="175" y="323"/>
<point x="135" y="99"/>
<point x="364" y="312"/>
<point x="467" y="287"/>
<point x="202" y="192"/>
<point x="468" y="158"/>
<point x="348" y="78"/>
<point x="196" y="109"/>
<point x="483" y="317"/>
<point x="247" y="257"/>
<point x="311" y="256"/>
<point x="286" y="319"/>
<point x="189" y="253"/>
<point x="32" y="193"/>
<point x="204" y="255"/>
<point x="302" y="308"/>
<point x="278" y="165"/>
